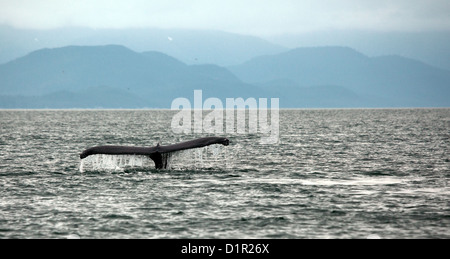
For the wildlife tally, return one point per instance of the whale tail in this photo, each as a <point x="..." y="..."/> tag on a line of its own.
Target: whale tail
<point x="159" y="154"/>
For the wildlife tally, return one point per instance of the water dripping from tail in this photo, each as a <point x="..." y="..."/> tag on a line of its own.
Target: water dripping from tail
<point x="103" y="162"/>
<point x="213" y="156"/>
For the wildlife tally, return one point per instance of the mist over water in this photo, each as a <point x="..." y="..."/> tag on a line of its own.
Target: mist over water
<point x="351" y="173"/>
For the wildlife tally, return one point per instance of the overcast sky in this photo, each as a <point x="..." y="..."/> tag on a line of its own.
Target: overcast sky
<point x="256" y="17"/>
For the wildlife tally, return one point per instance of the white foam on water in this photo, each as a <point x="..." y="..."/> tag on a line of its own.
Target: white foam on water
<point x="73" y="236"/>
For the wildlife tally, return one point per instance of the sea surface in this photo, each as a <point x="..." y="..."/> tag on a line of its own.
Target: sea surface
<point x="335" y="173"/>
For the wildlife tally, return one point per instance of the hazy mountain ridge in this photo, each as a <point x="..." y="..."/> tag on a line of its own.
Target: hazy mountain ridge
<point x="153" y="76"/>
<point x="188" y="46"/>
<point x="224" y="48"/>
<point x="430" y="47"/>
<point x="113" y="76"/>
<point x="396" y="80"/>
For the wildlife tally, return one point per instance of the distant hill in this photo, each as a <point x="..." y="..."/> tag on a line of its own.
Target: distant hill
<point x="155" y="77"/>
<point x="189" y="46"/>
<point x="431" y="47"/>
<point x="391" y="81"/>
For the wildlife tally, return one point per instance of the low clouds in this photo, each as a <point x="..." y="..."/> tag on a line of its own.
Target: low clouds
<point x="257" y="17"/>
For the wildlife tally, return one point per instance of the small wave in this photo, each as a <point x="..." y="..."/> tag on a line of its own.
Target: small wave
<point x="246" y="170"/>
<point x="261" y="221"/>
<point x="117" y="216"/>
<point x="382" y="172"/>
<point x="377" y="173"/>
<point x="18" y="173"/>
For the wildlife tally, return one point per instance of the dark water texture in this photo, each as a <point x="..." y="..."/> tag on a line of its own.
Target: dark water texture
<point x="335" y="174"/>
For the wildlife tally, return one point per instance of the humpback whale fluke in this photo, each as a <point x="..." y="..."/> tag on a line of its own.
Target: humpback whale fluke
<point x="155" y="153"/>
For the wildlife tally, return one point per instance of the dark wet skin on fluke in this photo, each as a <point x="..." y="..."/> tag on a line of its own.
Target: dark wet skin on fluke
<point x="155" y="153"/>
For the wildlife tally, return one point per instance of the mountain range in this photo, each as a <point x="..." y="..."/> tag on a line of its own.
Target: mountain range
<point x="113" y="76"/>
<point x="391" y="81"/>
<point x="226" y="48"/>
<point x="152" y="78"/>
<point x="192" y="47"/>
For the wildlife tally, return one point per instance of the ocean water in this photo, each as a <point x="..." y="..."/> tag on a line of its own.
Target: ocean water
<point x="356" y="173"/>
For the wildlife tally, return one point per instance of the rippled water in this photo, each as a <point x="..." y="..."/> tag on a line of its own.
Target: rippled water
<point x="335" y="174"/>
